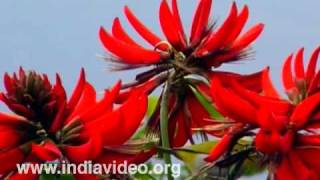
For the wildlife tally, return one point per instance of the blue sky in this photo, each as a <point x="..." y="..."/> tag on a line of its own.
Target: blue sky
<point x="51" y="36"/>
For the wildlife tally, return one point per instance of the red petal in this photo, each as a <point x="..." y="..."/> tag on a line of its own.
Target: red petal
<point x="258" y="101"/>
<point x="128" y="53"/>
<point x="197" y="112"/>
<point x="220" y="148"/>
<point x="315" y="84"/>
<point x="285" y="171"/>
<point x="310" y="157"/>
<point x="82" y="152"/>
<point x="241" y="21"/>
<point x="46" y="152"/>
<point x="268" y="88"/>
<point x="309" y="140"/>
<point x="178" y="131"/>
<point x="11" y="133"/>
<point x="20" y="110"/>
<point x="142" y="30"/>
<point x="9" y="160"/>
<point x="176" y="15"/>
<point x="298" y="65"/>
<point x="217" y="39"/>
<point x="312" y="64"/>
<point x="11" y="119"/>
<point x="287" y="78"/>
<point x="59" y="119"/>
<point x="87" y="99"/>
<point x="228" y="103"/>
<point x="304" y="110"/>
<point x="103" y="107"/>
<point x="28" y="176"/>
<point x="108" y="125"/>
<point x="298" y="166"/>
<point x="77" y="92"/>
<point x="247" y="38"/>
<point x="272" y="138"/>
<point x="170" y="27"/>
<point x="119" y="33"/>
<point x="200" y="21"/>
<point x="59" y="91"/>
<point x="133" y="112"/>
<point x="8" y="84"/>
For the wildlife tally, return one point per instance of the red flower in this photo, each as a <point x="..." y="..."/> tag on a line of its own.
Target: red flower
<point x="288" y="134"/>
<point x="179" y="56"/>
<point x="47" y="126"/>
<point x="207" y="45"/>
<point x="302" y="82"/>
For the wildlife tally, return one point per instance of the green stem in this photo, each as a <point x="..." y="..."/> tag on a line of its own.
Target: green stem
<point x="164" y="122"/>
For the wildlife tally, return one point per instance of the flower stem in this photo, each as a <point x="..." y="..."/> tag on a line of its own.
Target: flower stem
<point x="164" y="121"/>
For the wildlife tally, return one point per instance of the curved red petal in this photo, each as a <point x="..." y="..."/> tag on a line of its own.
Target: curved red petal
<point x="108" y="125"/>
<point x="88" y="98"/>
<point x="304" y="110"/>
<point x="309" y="140"/>
<point x="176" y="15"/>
<point x="314" y="84"/>
<point x="241" y="21"/>
<point x="228" y="103"/>
<point x="82" y="152"/>
<point x="284" y="170"/>
<point x="8" y="83"/>
<point x="247" y="38"/>
<point x="220" y="148"/>
<point x="102" y="107"/>
<point x="311" y="69"/>
<point x="59" y="119"/>
<point x="287" y="78"/>
<point x="298" y="166"/>
<point x="15" y="136"/>
<point x="77" y="92"/>
<point x="170" y="27"/>
<point x="119" y="33"/>
<point x="128" y="53"/>
<point x="310" y="157"/>
<point x="46" y="152"/>
<point x="11" y="119"/>
<point x="132" y="114"/>
<point x="217" y="39"/>
<point x="143" y="31"/>
<point x="200" y="21"/>
<point x="298" y="65"/>
<point x="177" y="130"/>
<point x="267" y="86"/>
<point x="9" y="160"/>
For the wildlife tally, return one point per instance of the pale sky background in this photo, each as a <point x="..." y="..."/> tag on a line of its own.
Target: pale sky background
<point x="61" y="36"/>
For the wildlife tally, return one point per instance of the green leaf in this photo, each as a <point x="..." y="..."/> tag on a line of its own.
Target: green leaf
<point x="251" y="166"/>
<point x="189" y="158"/>
<point x="206" y="104"/>
<point x="56" y="177"/>
<point x="152" y="104"/>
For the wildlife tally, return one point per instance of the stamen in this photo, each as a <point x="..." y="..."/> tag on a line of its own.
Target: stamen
<point x="156" y="47"/>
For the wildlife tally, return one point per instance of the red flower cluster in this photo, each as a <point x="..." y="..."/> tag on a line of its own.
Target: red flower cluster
<point x="287" y="131"/>
<point x="47" y="126"/>
<point x="179" y="56"/>
<point x="206" y="45"/>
